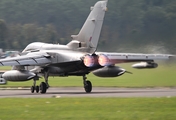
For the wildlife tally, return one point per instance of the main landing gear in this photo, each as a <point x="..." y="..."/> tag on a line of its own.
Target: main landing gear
<point x="43" y="85"/>
<point x="87" y="84"/>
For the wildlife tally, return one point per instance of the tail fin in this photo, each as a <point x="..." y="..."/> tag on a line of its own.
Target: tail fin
<point x="88" y="37"/>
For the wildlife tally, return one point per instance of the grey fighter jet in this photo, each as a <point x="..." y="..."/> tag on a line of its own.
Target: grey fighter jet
<point x="77" y="58"/>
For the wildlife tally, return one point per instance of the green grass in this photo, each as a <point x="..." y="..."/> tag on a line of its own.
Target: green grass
<point x="97" y="108"/>
<point x="5" y="68"/>
<point x="163" y="76"/>
<point x="88" y="109"/>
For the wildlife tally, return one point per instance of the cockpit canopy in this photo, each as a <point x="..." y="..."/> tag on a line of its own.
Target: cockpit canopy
<point x="37" y="46"/>
<point x="34" y="46"/>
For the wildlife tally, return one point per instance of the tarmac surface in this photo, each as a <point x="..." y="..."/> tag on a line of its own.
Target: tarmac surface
<point x="96" y="92"/>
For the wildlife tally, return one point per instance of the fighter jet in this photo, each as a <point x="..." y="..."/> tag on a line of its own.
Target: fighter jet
<point x="77" y="58"/>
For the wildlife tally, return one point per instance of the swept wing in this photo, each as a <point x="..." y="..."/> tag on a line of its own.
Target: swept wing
<point x="27" y="60"/>
<point x="106" y="58"/>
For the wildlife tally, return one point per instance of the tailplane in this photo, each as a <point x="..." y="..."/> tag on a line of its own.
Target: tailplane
<point x="88" y="37"/>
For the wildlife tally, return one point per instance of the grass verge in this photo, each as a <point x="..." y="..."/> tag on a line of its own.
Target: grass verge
<point x="163" y="76"/>
<point x="88" y="108"/>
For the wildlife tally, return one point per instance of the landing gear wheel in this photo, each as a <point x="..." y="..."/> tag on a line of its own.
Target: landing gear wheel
<point x="37" y="89"/>
<point x="88" y="86"/>
<point x="43" y="87"/>
<point x="32" y="89"/>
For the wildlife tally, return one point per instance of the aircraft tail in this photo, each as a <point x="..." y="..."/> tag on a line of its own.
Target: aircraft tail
<point x="88" y="37"/>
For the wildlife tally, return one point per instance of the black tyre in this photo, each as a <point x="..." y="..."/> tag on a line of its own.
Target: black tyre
<point x="37" y="89"/>
<point x="88" y="87"/>
<point x="32" y="89"/>
<point x="43" y="87"/>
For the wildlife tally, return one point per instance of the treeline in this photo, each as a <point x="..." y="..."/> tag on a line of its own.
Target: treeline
<point x="17" y="36"/>
<point x="128" y="23"/>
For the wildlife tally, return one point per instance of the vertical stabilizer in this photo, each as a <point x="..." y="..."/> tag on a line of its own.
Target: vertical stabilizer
<point x="88" y="37"/>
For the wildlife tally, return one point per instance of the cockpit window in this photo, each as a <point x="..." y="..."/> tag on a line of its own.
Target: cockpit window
<point x="33" y="47"/>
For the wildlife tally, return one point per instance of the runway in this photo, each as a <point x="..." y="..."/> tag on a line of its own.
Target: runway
<point x="96" y="92"/>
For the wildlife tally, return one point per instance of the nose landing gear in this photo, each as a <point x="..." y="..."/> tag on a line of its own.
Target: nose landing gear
<point x="43" y="85"/>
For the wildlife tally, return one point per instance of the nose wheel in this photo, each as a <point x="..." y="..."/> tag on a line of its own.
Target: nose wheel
<point x="42" y="88"/>
<point x="34" y="88"/>
<point x="87" y="85"/>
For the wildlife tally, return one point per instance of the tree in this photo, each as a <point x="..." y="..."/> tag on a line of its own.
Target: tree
<point x="3" y="33"/>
